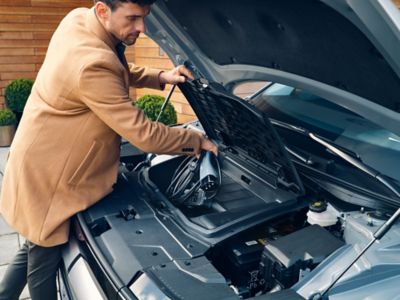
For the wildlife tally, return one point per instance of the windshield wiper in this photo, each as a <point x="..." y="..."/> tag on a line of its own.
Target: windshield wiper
<point x="306" y="132"/>
<point x="349" y="156"/>
<point x="307" y="160"/>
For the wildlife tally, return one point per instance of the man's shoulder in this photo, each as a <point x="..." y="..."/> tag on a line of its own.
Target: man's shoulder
<point x="85" y="37"/>
<point x="80" y="40"/>
<point x="77" y="12"/>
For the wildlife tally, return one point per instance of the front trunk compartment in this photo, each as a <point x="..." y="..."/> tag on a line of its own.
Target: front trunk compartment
<point x="244" y="200"/>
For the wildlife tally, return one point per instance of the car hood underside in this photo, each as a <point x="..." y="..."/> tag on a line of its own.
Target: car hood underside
<point x="321" y="40"/>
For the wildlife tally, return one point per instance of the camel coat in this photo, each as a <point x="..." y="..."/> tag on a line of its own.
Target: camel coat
<point x="65" y="154"/>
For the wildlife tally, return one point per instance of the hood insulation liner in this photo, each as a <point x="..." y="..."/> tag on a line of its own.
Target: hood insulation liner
<point x="307" y="38"/>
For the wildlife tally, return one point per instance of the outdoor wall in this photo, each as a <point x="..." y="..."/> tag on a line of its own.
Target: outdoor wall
<point x="25" y="30"/>
<point x="26" y="27"/>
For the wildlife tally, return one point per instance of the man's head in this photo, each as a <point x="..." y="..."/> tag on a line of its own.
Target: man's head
<point x="123" y="18"/>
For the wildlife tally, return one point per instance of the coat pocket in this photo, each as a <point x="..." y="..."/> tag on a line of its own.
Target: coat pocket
<point x="84" y="165"/>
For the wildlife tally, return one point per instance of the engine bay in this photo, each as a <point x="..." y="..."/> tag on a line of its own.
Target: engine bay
<point x="242" y="244"/>
<point x="259" y="242"/>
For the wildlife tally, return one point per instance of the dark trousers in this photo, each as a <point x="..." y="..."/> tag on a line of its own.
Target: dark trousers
<point x="36" y="266"/>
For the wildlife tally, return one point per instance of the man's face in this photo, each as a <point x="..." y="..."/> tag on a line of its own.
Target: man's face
<point x="126" y="22"/>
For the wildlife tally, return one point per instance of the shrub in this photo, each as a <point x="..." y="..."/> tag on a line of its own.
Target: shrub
<point x="17" y="93"/>
<point x="151" y="106"/>
<point x="7" y="117"/>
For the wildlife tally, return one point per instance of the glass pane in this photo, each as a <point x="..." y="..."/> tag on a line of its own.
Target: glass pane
<point x="248" y="88"/>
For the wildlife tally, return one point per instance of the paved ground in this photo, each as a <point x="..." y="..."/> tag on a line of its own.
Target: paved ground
<point x="10" y="241"/>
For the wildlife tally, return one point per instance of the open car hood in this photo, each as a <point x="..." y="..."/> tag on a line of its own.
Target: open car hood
<point x="344" y="49"/>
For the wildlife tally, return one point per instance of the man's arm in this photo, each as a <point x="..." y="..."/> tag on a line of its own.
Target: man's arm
<point x="102" y="89"/>
<point x="144" y="77"/>
<point x="156" y="79"/>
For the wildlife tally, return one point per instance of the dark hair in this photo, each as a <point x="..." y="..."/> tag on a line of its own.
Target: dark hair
<point x="113" y="4"/>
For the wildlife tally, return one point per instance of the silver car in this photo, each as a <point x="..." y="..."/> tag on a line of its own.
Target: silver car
<point x="301" y="202"/>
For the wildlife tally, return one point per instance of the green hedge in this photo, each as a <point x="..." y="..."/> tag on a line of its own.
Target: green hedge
<point x="17" y="93"/>
<point x="7" y="117"/>
<point x="151" y="106"/>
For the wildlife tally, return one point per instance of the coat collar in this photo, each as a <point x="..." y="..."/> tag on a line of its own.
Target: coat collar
<point x="98" y="29"/>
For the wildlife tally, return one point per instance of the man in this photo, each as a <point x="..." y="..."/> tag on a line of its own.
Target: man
<point x="65" y="154"/>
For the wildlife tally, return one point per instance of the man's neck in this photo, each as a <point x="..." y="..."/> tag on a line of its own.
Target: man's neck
<point x="113" y="38"/>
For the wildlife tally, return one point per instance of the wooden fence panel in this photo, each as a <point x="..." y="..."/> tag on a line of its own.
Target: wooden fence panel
<point x="26" y="27"/>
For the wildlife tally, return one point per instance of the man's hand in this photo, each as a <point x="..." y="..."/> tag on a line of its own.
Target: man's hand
<point x="207" y="145"/>
<point x="174" y="76"/>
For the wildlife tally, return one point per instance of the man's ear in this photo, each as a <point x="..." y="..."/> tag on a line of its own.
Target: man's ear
<point x="102" y="10"/>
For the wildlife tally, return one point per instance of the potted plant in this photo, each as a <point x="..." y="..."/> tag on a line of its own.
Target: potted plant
<point x="151" y="106"/>
<point x="16" y="95"/>
<point x="8" y="121"/>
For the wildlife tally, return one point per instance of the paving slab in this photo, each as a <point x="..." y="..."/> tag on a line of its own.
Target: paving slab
<point x="21" y="240"/>
<point x="4" y="228"/>
<point x="2" y="271"/>
<point x="9" y="247"/>
<point x="3" y="158"/>
<point x="25" y="293"/>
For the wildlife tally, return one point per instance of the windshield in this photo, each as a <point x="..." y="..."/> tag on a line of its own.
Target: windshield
<point x="377" y="147"/>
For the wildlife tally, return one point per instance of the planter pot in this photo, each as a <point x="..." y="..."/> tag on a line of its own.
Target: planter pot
<point x="6" y="135"/>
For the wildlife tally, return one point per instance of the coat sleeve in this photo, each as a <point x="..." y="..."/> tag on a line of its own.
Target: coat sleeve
<point x="144" y="77"/>
<point x="101" y="87"/>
